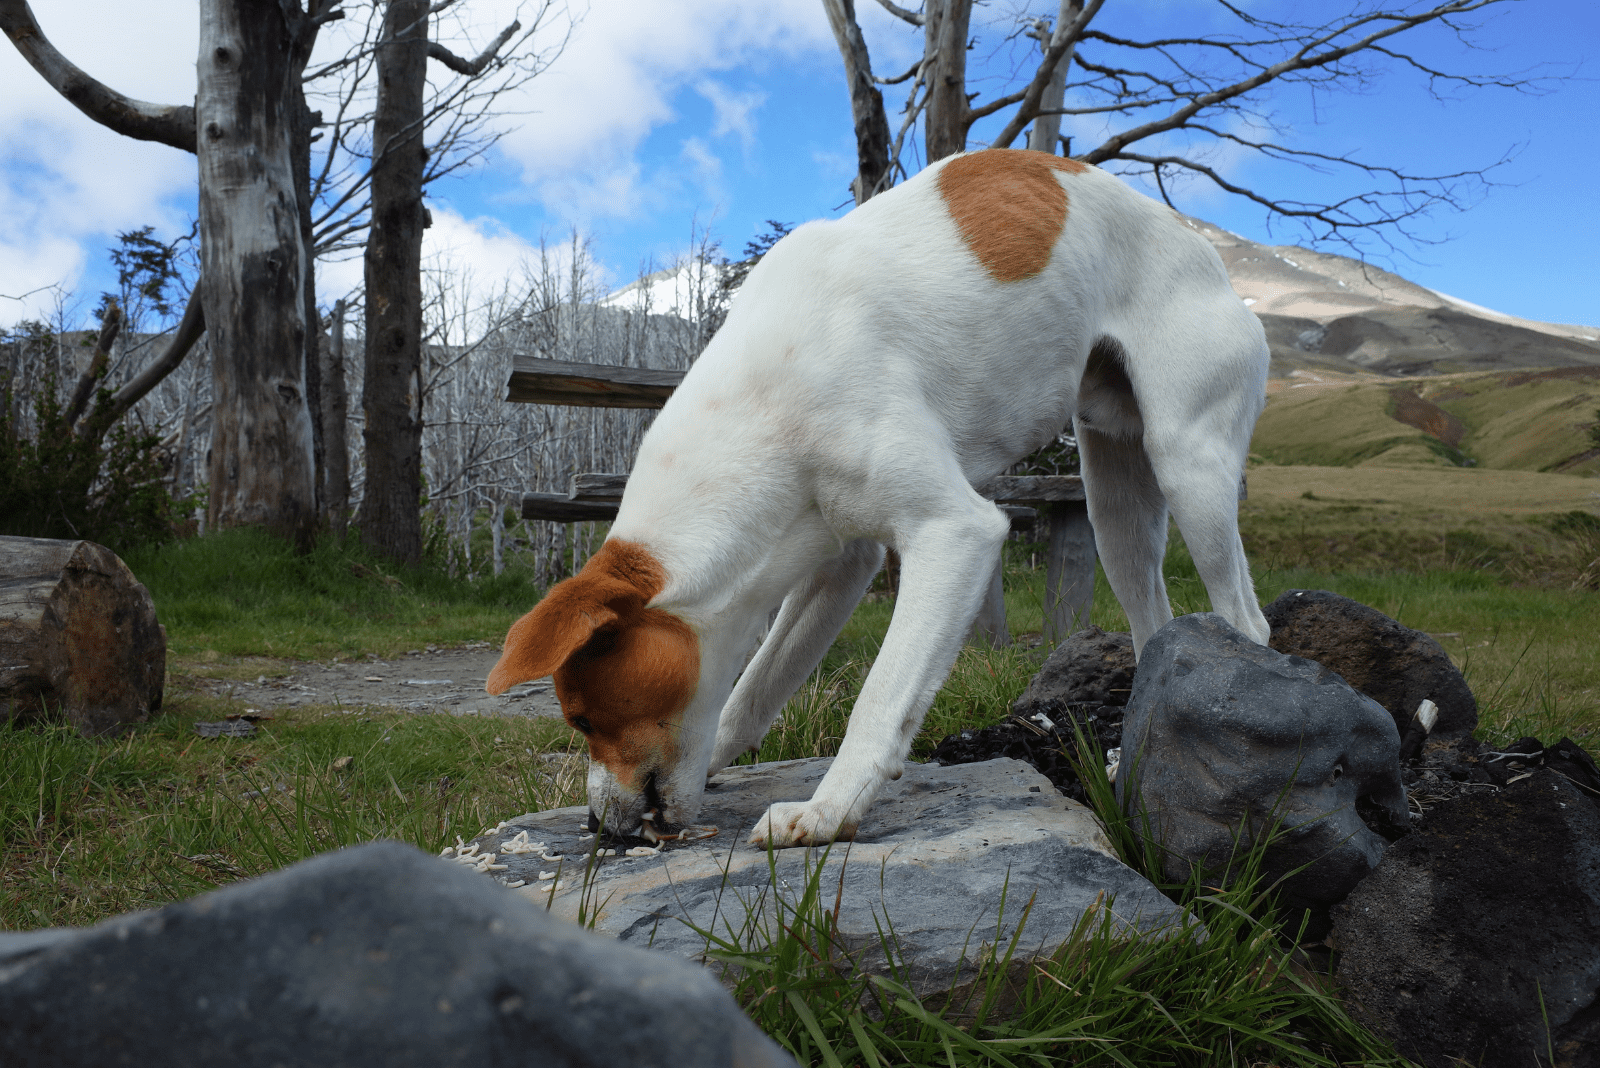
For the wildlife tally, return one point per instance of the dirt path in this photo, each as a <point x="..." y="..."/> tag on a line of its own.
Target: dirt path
<point x="423" y="681"/>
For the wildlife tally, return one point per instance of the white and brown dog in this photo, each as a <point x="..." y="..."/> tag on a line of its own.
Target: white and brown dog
<point x="870" y="372"/>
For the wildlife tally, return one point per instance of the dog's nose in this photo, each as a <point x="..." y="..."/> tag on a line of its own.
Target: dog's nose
<point x="594" y="822"/>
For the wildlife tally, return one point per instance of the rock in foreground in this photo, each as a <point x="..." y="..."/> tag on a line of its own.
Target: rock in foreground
<point x="1224" y="737"/>
<point x="932" y="857"/>
<point x="1491" y="906"/>
<point x="377" y="955"/>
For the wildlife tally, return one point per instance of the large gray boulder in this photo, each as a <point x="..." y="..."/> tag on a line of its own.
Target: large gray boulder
<point x="1394" y="665"/>
<point x="1224" y="738"/>
<point x="376" y="955"/>
<point x="935" y="855"/>
<point x="1477" y="939"/>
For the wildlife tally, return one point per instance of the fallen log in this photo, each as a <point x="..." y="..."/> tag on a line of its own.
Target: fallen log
<point x="79" y="641"/>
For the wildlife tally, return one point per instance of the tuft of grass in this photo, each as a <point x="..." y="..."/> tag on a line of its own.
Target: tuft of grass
<point x="244" y="592"/>
<point x="91" y="828"/>
<point x="1222" y="988"/>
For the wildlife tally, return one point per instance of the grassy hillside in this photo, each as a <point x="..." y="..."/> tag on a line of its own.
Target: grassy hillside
<point x="1513" y="421"/>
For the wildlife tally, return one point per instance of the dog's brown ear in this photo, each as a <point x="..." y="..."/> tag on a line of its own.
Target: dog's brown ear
<point x="541" y="641"/>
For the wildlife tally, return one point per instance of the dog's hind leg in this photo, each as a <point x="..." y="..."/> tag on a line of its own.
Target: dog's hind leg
<point x="1129" y="514"/>
<point x="811" y="617"/>
<point x="946" y="562"/>
<point x="1200" y="478"/>
<point x="1198" y="440"/>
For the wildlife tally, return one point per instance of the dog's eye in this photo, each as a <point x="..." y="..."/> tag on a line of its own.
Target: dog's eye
<point x="583" y="724"/>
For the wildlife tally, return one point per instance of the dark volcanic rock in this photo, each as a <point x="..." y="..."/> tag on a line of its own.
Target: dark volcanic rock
<point x="376" y="955"/>
<point x="1223" y="737"/>
<point x="1492" y="903"/>
<point x="1394" y="665"/>
<point x="1091" y="667"/>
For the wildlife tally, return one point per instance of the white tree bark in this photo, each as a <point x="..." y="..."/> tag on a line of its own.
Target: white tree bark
<point x="262" y="467"/>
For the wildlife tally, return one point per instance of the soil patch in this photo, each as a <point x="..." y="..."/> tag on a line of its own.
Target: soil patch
<point x="425" y="681"/>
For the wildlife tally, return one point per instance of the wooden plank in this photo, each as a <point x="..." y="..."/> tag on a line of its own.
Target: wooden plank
<point x="1032" y="489"/>
<point x="1006" y="490"/>
<point x="1069" y="571"/>
<point x="588" y="385"/>
<point x="598" y="487"/>
<point x="559" y="508"/>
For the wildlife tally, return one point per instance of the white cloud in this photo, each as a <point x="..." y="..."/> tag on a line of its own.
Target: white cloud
<point x="735" y="111"/>
<point x="67" y="184"/>
<point x="615" y="83"/>
<point x="575" y="132"/>
<point x="704" y="162"/>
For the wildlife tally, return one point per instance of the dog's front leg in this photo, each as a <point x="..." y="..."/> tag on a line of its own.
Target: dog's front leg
<point x="811" y="617"/>
<point x="945" y="569"/>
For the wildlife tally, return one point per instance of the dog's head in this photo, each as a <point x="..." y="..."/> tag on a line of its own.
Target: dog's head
<point x="624" y="674"/>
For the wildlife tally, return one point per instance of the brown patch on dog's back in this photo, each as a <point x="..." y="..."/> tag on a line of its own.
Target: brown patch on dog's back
<point x="1008" y="206"/>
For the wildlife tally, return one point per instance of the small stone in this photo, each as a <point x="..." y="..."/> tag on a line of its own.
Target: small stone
<point x="1092" y="667"/>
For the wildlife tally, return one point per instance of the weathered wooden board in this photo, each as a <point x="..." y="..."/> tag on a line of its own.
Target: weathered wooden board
<point x="588" y="385"/>
<point x="1020" y="490"/>
<point x="1032" y="489"/>
<point x="559" y="508"/>
<point x="79" y="639"/>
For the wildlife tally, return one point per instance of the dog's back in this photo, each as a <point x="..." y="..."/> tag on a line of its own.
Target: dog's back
<point x="947" y="321"/>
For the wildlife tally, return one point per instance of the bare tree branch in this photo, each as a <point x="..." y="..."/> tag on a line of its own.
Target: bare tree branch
<point x="471" y="68"/>
<point x="165" y="123"/>
<point x="1061" y="41"/>
<point x="901" y="13"/>
<point x="110" y="326"/>
<point x="190" y="327"/>
<point x="866" y="102"/>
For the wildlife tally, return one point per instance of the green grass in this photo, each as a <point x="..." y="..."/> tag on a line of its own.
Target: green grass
<point x="1222" y="988"/>
<point x="1519" y="420"/>
<point x="246" y="593"/>
<point x="92" y="829"/>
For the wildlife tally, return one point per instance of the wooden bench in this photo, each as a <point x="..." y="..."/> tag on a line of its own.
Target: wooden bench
<point x="1058" y="500"/>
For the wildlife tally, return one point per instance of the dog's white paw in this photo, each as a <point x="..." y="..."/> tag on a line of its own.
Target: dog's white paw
<point x="802" y="823"/>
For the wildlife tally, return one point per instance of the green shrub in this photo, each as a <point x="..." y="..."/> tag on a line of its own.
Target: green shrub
<point x="58" y="481"/>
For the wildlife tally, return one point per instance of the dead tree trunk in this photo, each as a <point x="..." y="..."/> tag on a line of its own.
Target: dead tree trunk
<point x="1046" y="133"/>
<point x="866" y="102"/>
<point x="947" y="119"/>
<point x="305" y="120"/>
<point x="253" y="271"/>
<point x="335" y="423"/>
<point x="79" y="639"/>
<point x="391" y="508"/>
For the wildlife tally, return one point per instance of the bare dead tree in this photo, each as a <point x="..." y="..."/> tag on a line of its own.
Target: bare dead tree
<point x="458" y="114"/>
<point x="866" y="102"/>
<point x="253" y="256"/>
<point x="1162" y="106"/>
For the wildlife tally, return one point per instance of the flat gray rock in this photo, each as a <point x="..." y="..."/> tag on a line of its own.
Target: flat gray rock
<point x="377" y="956"/>
<point x="933" y="858"/>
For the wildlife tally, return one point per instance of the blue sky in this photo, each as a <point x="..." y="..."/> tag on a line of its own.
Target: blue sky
<point x="664" y="113"/>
